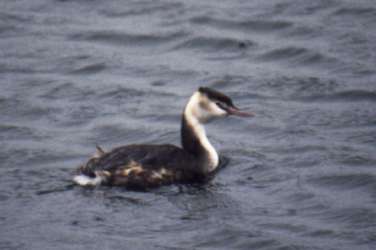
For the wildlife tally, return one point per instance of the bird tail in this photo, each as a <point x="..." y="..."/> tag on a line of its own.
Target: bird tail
<point x="84" y="180"/>
<point x="87" y="176"/>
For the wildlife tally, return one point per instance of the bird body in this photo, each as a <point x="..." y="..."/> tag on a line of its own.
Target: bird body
<point x="142" y="166"/>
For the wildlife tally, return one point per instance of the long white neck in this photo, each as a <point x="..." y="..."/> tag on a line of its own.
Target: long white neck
<point x="194" y="138"/>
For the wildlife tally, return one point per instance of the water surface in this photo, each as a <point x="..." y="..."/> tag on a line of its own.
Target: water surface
<point x="301" y="173"/>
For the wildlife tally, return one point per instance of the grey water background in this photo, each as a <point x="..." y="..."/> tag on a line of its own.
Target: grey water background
<point x="302" y="173"/>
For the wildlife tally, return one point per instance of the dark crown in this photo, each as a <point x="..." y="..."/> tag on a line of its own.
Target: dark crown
<point x="216" y="96"/>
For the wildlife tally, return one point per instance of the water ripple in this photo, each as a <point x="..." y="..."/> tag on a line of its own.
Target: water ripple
<point x="300" y="173"/>
<point x="348" y="181"/>
<point x="120" y="38"/>
<point x="344" y="96"/>
<point x="296" y="55"/>
<point x="355" y="12"/>
<point x="247" y="25"/>
<point x="214" y="44"/>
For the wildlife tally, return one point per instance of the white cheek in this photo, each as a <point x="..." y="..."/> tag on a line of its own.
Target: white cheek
<point x="202" y="109"/>
<point x="216" y="111"/>
<point x="203" y="115"/>
<point x="210" y="112"/>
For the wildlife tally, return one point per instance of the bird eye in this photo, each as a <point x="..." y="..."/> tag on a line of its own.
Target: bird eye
<point x="221" y="105"/>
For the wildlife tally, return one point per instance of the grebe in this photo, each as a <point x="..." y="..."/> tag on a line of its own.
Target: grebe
<point x="145" y="166"/>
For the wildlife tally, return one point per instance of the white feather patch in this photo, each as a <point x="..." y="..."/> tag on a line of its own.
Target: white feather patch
<point x="84" y="180"/>
<point x="196" y="116"/>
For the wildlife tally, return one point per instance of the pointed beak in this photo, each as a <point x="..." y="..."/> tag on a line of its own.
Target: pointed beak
<point x="237" y="112"/>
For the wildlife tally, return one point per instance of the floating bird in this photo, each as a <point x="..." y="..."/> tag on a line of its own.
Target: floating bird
<point x="144" y="166"/>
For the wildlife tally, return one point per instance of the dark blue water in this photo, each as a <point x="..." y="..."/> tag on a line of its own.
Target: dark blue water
<point x="302" y="173"/>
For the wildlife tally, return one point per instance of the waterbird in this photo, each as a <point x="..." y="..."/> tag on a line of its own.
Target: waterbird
<point x="144" y="166"/>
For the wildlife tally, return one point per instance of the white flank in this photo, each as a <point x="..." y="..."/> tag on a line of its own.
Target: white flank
<point x="84" y="180"/>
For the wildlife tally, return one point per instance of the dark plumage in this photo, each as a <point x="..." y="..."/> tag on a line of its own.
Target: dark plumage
<point x="216" y="96"/>
<point x="148" y="165"/>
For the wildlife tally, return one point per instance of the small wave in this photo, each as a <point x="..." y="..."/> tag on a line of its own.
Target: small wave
<point x="321" y="233"/>
<point x="6" y="29"/>
<point x="19" y="17"/>
<point x="349" y="96"/>
<point x="295" y="55"/>
<point x="140" y="8"/>
<point x="354" y="15"/>
<point x="283" y="53"/>
<point x="117" y="134"/>
<point x="120" y="93"/>
<point x="227" y="81"/>
<point x="353" y="217"/>
<point x="29" y="155"/>
<point x="122" y="38"/>
<point x="214" y="44"/>
<point x="67" y="91"/>
<point x="249" y="25"/>
<point x="346" y="181"/>
<point x="355" y="11"/>
<point x="16" y="68"/>
<point x="9" y="132"/>
<point x="359" y="160"/>
<point x="90" y="68"/>
<point x="305" y="31"/>
<point x="82" y="64"/>
<point x="19" y="108"/>
<point x="55" y="190"/>
<point x="79" y="115"/>
<point x="120" y="198"/>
